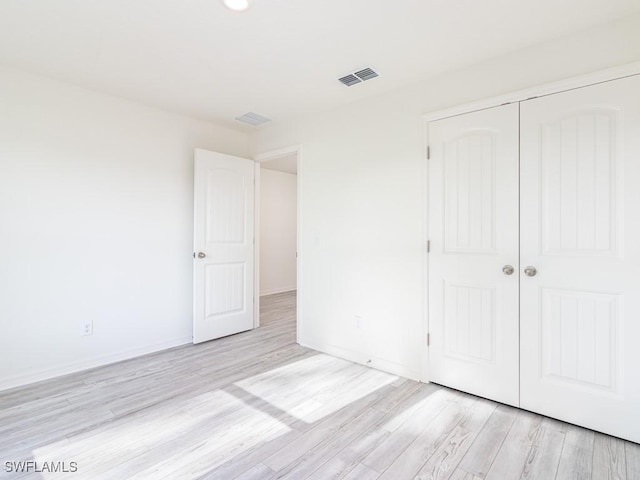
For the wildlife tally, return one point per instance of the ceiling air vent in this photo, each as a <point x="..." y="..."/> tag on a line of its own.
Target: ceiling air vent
<point x="358" y="77"/>
<point x="366" y="74"/>
<point x="253" y="119"/>
<point x="349" y="80"/>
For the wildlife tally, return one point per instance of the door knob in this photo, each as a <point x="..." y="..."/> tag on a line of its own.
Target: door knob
<point x="530" y="271"/>
<point x="508" y="270"/>
<point x="201" y="254"/>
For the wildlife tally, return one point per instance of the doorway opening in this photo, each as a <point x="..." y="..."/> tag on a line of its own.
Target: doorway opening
<point x="277" y="249"/>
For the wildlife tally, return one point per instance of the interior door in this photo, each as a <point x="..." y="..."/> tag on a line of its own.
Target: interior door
<point x="580" y="307"/>
<point x="473" y="260"/>
<point x="223" y="269"/>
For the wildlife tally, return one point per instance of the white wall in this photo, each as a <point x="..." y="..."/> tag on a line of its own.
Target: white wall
<point x="362" y="209"/>
<point x="96" y="212"/>
<point x="278" y="199"/>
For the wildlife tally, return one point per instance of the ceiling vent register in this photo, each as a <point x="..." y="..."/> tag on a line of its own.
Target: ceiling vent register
<point x="358" y="77"/>
<point x="253" y="119"/>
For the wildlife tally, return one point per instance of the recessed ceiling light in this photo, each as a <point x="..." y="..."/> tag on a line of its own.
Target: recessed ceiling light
<point x="236" y="5"/>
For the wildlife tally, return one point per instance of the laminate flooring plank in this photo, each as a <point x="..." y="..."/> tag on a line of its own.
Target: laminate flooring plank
<point x="445" y="460"/>
<point x="343" y="393"/>
<point x="632" y="455"/>
<point x="576" y="459"/>
<point x="316" y="440"/>
<point x="609" y="462"/>
<point x="402" y="391"/>
<point x="512" y="456"/>
<point x="126" y="395"/>
<point x="349" y="458"/>
<point x="460" y="474"/>
<point x="137" y="401"/>
<point x="325" y="428"/>
<point x="259" y="472"/>
<point x="414" y="456"/>
<point x="58" y="387"/>
<point x="423" y="411"/>
<point x="361" y="472"/>
<point x="290" y="446"/>
<point x="313" y="459"/>
<point x="333" y="424"/>
<point x="544" y="457"/>
<point x="33" y="435"/>
<point x="302" y="396"/>
<point x="417" y="403"/>
<point x="30" y="411"/>
<point x="214" y="440"/>
<point x="392" y="405"/>
<point x="486" y="445"/>
<point x="113" y="468"/>
<point x="246" y="460"/>
<point x="135" y="441"/>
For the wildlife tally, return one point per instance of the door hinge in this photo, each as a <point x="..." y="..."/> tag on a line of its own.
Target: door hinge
<point x="428" y="152"/>
<point x="428" y="339"/>
<point x="428" y="246"/>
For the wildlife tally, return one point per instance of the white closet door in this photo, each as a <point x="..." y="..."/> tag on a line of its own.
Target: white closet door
<point x="473" y="229"/>
<point x="580" y="229"/>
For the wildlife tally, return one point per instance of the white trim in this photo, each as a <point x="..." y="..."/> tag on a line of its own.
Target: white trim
<point x="83" y="365"/>
<point x="424" y="358"/>
<point x="273" y="291"/>
<point x="370" y="361"/>
<point x="281" y="152"/>
<point x="538" y="91"/>
<point x="299" y="179"/>
<point x="256" y="244"/>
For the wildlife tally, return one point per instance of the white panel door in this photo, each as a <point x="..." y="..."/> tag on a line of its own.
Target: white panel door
<point x="473" y="230"/>
<point x="223" y="245"/>
<point x="580" y="221"/>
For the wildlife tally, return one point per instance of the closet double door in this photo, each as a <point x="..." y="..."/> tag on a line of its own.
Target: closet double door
<point x="534" y="266"/>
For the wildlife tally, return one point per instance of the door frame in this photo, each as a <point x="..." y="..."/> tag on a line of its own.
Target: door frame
<point x="259" y="159"/>
<point x="541" y="90"/>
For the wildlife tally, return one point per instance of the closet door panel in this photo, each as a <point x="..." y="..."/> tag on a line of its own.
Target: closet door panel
<point x="473" y="228"/>
<point x="580" y="230"/>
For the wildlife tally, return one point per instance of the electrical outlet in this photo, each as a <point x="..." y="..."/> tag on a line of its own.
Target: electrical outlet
<point x="87" y="328"/>
<point x="358" y="320"/>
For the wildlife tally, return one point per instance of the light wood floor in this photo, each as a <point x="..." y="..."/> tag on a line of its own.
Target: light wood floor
<point x="258" y="406"/>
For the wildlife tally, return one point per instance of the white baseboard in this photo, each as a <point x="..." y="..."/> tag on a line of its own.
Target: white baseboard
<point x="74" y="367"/>
<point x="362" y="358"/>
<point x="273" y="291"/>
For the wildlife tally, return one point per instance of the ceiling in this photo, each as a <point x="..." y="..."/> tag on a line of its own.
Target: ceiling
<point x="281" y="58"/>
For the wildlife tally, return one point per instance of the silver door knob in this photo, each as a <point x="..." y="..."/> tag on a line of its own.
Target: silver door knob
<point x="201" y="254"/>
<point x="508" y="270"/>
<point x="530" y="271"/>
